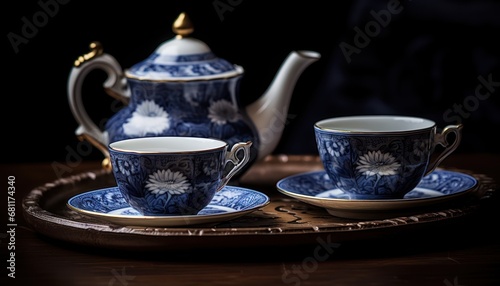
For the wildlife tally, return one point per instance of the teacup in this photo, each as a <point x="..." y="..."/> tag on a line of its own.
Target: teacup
<point x="381" y="156"/>
<point x="174" y="175"/>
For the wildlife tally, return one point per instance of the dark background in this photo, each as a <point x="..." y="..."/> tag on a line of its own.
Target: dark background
<point x="425" y="60"/>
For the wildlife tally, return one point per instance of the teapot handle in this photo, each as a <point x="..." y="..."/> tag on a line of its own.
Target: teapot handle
<point x="115" y="86"/>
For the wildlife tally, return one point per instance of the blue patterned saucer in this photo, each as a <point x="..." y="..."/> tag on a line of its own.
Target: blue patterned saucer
<point x="316" y="188"/>
<point x="108" y="203"/>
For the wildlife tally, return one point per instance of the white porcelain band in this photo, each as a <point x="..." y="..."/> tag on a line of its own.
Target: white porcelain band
<point x="374" y="124"/>
<point x="174" y="144"/>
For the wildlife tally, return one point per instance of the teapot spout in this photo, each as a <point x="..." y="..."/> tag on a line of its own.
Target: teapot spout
<point x="269" y="112"/>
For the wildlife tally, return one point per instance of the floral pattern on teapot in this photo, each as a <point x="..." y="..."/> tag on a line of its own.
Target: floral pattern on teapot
<point x="200" y="108"/>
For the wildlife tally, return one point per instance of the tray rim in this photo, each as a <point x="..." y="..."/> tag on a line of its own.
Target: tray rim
<point x="44" y="221"/>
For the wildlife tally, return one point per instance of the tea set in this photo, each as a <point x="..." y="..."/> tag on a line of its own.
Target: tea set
<point x="182" y="138"/>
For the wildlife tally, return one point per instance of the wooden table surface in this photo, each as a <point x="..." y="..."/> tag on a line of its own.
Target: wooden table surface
<point x="464" y="253"/>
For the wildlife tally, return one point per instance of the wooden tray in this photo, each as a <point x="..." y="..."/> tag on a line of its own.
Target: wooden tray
<point x="284" y="222"/>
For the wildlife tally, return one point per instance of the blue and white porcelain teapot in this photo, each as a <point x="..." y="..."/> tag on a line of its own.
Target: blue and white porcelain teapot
<point x="183" y="89"/>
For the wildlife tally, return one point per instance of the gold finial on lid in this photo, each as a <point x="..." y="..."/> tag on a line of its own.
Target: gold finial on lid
<point x="182" y="26"/>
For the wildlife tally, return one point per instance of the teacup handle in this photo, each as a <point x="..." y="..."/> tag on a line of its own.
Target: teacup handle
<point x="238" y="163"/>
<point x="441" y="138"/>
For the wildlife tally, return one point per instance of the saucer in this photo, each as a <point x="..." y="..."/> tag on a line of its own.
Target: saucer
<point x="316" y="188"/>
<point x="109" y="204"/>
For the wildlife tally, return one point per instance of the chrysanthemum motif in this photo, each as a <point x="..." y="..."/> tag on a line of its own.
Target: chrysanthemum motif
<point x="377" y="163"/>
<point x="166" y="181"/>
<point x="222" y="111"/>
<point x="148" y="117"/>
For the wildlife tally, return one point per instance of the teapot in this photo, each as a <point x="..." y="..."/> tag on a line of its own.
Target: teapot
<point x="184" y="89"/>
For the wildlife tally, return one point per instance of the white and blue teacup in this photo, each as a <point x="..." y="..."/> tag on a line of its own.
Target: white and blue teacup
<point x="174" y="175"/>
<point x="381" y="156"/>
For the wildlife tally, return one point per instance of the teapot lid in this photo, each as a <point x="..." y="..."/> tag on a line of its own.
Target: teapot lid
<point x="183" y="58"/>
